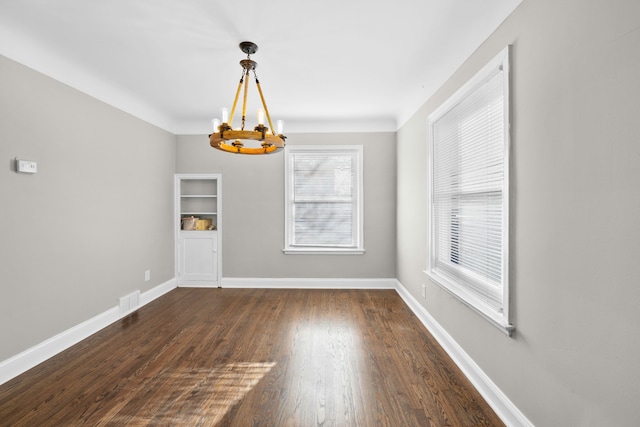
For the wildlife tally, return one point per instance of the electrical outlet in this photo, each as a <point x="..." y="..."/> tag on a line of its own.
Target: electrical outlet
<point x="424" y="290"/>
<point x="147" y="275"/>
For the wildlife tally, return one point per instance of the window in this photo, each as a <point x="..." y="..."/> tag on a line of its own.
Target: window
<point x="323" y="187"/>
<point x="469" y="198"/>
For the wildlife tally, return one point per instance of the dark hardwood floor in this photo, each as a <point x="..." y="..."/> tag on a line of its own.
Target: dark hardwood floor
<point x="252" y="357"/>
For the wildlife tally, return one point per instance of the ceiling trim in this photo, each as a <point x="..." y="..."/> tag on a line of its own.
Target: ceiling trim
<point x="32" y="55"/>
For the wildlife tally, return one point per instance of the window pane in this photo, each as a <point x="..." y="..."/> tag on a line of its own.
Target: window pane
<point x="323" y="197"/>
<point x="324" y="224"/>
<point x="321" y="177"/>
<point x="467" y="186"/>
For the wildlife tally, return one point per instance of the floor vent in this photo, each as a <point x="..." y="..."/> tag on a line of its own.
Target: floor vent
<point x="129" y="303"/>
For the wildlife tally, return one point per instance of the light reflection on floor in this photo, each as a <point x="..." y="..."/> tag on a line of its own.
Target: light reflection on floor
<point x="195" y="397"/>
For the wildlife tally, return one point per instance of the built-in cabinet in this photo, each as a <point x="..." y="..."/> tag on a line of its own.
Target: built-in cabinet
<point x="198" y="222"/>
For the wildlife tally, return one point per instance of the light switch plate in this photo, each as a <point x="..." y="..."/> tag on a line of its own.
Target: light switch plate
<point x="26" y="166"/>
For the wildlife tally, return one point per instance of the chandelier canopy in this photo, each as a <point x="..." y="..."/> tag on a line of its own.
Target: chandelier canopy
<point x="225" y="138"/>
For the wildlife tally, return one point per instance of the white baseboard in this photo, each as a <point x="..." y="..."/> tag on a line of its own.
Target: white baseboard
<point x="198" y="284"/>
<point x="288" y="283"/>
<point x="157" y="292"/>
<point x="498" y="401"/>
<point x="16" y="365"/>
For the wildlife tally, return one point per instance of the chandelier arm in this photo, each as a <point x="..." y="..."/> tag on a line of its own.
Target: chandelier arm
<point x="235" y="101"/>
<point x="264" y="105"/>
<point x="244" y="101"/>
<point x="217" y="139"/>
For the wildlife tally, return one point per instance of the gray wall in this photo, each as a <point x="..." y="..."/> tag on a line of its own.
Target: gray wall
<point x="575" y="204"/>
<point x="253" y="209"/>
<point x="80" y="233"/>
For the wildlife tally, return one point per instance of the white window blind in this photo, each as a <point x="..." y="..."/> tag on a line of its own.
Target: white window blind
<point x="324" y="198"/>
<point x="469" y="193"/>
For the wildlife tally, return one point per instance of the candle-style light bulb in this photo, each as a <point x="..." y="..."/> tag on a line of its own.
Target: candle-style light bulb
<point x="261" y="117"/>
<point x="279" y="127"/>
<point x="225" y="115"/>
<point x="216" y="124"/>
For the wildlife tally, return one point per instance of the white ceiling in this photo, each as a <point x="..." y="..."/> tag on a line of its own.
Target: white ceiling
<point x="330" y="65"/>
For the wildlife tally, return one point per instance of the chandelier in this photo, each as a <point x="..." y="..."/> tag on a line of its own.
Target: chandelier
<point x="226" y="138"/>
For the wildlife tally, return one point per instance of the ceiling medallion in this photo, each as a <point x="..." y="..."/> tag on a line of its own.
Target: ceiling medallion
<point x="226" y="138"/>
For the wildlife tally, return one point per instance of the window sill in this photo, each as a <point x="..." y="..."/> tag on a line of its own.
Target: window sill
<point x="322" y="251"/>
<point x="488" y="312"/>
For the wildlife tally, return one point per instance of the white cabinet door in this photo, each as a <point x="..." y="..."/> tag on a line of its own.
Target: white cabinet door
<point x="198" y="258"/>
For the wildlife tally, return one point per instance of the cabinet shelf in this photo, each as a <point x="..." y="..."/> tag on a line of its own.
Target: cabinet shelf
<point x="189" y="213"/>
<point x="197" y="196"/>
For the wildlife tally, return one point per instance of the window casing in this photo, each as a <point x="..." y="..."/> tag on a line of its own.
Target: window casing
<point x="323" y="198"/>
<point x="469" y="193"/>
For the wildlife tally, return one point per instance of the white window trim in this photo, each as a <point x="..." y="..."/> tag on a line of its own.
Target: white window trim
<point x="316" y="250"/>
<point x="500" y="318"/>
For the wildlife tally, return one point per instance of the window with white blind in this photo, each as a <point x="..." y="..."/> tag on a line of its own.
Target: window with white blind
<point x="469" y="198"/>
<point x="323" y="197"/>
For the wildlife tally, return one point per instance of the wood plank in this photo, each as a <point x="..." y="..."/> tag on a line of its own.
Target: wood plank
<point x="238" y="357"/>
